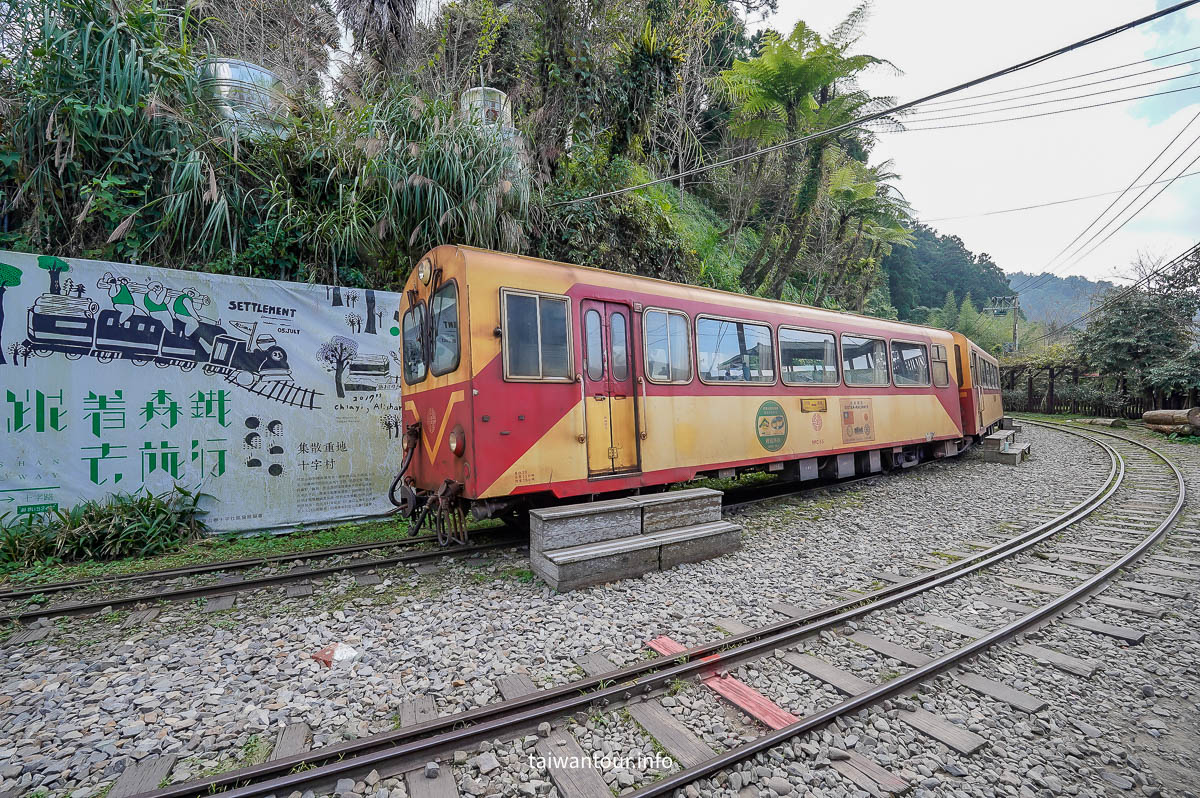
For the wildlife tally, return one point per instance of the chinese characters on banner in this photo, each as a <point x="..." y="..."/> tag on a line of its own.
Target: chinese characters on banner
<point x="279" y="400"/>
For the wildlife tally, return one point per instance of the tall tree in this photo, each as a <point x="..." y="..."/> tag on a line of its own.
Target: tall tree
<point x="798" y="85"/>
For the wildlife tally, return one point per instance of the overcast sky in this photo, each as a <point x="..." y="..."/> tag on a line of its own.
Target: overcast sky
<point x="973" y="170"/>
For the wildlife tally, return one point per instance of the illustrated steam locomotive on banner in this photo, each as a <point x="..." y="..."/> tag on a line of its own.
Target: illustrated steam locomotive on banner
<point x="151" y="324"/>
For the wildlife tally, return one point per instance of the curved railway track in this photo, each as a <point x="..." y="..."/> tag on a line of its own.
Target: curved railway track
<point x="22" y="608"/>
<point x="1125" y="493"/>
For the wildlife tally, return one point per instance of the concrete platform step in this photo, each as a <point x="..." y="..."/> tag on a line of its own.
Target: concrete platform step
<point x="1012" y="456"/>
<point x="696" y="542"/>
<point x="678" y="508"/>
<point x="587" y="522"/>
<point x="997" y="440"/>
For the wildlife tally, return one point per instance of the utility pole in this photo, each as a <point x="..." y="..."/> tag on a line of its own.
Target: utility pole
<point x="1004" y="305"/>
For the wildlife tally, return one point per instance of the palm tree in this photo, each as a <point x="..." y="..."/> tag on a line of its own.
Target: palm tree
<point x="380" y="27"/>
<point x="864" y="198"/>
<point x="798" y="85"/>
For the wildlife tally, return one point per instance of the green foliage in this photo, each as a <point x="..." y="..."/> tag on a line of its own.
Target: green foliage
<point x="1145" y="338"/>
<point x="1046" y="297"/>
<point x="937" y="264"/>
<point x="123" y="525"/>
<point x="121" y="151"/>
<point x="10" y="276"/>
<point x="631" y="233"/>
<point x="721" y="256"/>
<point x="388" y="179"/>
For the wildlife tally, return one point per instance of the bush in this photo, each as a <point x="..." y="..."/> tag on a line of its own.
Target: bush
<point x="124" y="525"/>
<point x="631" y="233"/>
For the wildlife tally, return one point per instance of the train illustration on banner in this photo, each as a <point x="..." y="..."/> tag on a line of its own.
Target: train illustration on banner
<point x="148" y="323"/>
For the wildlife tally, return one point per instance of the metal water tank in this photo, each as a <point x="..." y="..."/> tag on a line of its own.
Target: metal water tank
<point x="251" y="97"/>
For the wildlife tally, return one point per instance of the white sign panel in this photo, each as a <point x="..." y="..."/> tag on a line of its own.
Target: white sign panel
<point x="281" y="400"/>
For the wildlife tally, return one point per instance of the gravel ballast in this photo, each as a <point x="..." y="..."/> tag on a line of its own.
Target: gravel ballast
<point x="76" y="708"/>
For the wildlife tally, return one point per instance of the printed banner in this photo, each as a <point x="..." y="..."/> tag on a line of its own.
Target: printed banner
<point x="281" y="400"/>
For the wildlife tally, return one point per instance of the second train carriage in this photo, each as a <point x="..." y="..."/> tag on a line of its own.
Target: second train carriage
<point x="528" y="381"/>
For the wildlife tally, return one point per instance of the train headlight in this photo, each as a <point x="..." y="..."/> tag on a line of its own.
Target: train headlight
<point x="457" y="441"/>
<point x="424" y="271"/>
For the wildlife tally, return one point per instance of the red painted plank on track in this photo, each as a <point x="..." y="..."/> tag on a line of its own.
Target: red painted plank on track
<point x="751" y="701"/>
<point x="666" y="646"/>
<point x="741" y="695"/>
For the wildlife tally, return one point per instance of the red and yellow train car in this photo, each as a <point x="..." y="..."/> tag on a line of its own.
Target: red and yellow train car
<point x="527" y="382"/>
<point x="978" y="375"/>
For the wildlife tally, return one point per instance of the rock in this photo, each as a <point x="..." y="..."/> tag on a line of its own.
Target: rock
<point x="838" y="753"/>
<point x="1117" y="780"/>
<point x="543" y="729"/>
<point x="780" y="785"/>
<point x="487" y="762"/>
<point x="344" y="787"/>
<point x="432" y="769"/>
<point x="1147" y="691"/>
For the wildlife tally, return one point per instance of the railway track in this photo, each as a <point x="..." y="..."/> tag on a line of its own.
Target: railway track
<point x="30" y="603"/>
<point x="1136" y="503"/>
<point x="222" y="579"/>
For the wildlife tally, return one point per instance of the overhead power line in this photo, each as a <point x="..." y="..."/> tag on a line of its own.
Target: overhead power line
<point x="1178" y="260"/>
<point x="910" y="129"/>
<point x="1043" y="278"/>
<point x="1050" y="204"/>
<point x="1134" y="215"/>
<point x="903" y="106"/>
<point x="918" y="118"/>
<point x="1072" y="77"/>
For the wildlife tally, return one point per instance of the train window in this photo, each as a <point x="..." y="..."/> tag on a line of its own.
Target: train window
<point x="941" y="366"/>
<point x="620" y="347"/>
<point x="864" y="361"/>
<point x="593" y="345"/>
<point x="807" y="357"/>
<point x="734" y="351"/>
<point x="910" y="364"/>
<point x="444" y="309"/>
<point x="668" y="348"/>
<point x="536" y="336"/>
<point x="414" y="344"/>
<point x="975" y="370"/>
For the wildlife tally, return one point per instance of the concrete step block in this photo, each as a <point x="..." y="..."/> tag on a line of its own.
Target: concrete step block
<point x="1011" y="456"/>
<point x="998" y="440"/>
<point x="678" y="508"/>
<point x="590" y="564"/>
<point x="553" y="528"/>
<point x="697" y="542"/>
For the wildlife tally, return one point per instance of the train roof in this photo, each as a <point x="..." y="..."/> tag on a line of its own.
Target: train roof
<point x="735" y="299"/>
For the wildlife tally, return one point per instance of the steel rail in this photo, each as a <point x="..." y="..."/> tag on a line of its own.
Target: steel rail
<point x="1063" y="603"/>
<point x="228" y="565"/>
<point x="296" y="574"/>
<point x="282" y="776"/>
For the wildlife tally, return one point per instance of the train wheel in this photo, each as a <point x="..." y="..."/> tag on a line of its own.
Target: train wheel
<point x="162" y="364"/>
<point x="106" y="357"/>
<point x="137" y="360"/>
<point x="209" y="369"/>
<point x="73" y="355"/>
<point x="186" y="365"/>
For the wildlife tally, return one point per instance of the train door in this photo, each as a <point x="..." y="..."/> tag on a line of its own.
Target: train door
<point x="977" y="392"/>
<point x="609" y="405"/>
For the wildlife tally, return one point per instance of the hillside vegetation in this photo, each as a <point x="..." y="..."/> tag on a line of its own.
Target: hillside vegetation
<point x="117" y="143"/>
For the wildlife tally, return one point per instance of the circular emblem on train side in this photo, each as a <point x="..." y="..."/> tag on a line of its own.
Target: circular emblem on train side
<point x="770" y="425"/>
